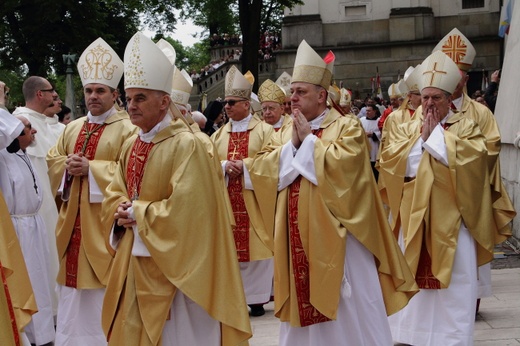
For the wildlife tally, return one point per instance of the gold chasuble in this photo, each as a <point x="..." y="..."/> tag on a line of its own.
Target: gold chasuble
<point x="345" y="200"/>
<point x="17" y="302"/>
<point x="503" y="209"/>
<point x="394" y="119"/>
<point x="168" y="180"/>
<point x="254" y="232"/>
<point x="439" y="198"/>
<point x="84" y="258"/>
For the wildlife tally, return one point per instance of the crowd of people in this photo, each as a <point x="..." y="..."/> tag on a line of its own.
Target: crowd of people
<point x="154" y="224"/>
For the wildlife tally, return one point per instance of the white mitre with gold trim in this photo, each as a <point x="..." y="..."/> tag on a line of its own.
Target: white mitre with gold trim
<point x="411" y="78"/>
<point x="309" y="67"/>
<point x="284" y="82"/>
<point x="439" y="71"/>
<point x="458" y="48"/>
<point x="237" y="85"/>
<point x="181" y="87"/>
<point x="99" y="63"/>
<point x="146" y="66"/>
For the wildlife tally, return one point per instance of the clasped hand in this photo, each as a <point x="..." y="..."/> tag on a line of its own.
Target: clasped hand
<point x="431" y="119"/>
<point x="301" y="128"/>
<point x="122" y="215"/>
<point x="77" y="164"/>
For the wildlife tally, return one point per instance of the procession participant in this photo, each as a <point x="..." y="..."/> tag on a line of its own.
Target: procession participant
<point x="445" y="211"/>
<point x="338" y="268"/>
<point x="175" y="279"/>
<point x="237" y="142"/>
<point x="81" y="165"/>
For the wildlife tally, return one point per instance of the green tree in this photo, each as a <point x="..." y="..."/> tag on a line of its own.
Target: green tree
<point x="36" y="33"/>
<point x="255" y="16"/>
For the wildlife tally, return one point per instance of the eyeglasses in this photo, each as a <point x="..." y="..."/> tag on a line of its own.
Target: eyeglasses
<point x="231" y="103"/>
<point x="28" y="126"/>
<point x="51" y="90"/>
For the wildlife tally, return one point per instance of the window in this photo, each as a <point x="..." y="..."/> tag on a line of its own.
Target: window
<point x="467" y="4"/>
<point x="351" y="11"/>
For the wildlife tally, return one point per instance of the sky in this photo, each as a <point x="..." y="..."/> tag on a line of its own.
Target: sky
<point x="184" y="33"/>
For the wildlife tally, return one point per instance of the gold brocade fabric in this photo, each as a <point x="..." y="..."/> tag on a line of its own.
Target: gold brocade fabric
<point x="440" y="197"/>
<point x="9" y="333"/>
<point x="345" y="200"/>
<point x="261" y="228"/>
<point x="188" y="236"/>
<point x="94" y="260"/>
<point x="16" y="278"/>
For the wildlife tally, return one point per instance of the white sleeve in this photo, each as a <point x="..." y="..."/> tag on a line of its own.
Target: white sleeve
<point x="138" y="248"/>
<point x="95" y="193"/>
<point x="10" y="128"/>
<point x="436" y="146"/>
<point x="287" y="173"/>
<point x="304" y="160"/>
<point x="414" y="158"/>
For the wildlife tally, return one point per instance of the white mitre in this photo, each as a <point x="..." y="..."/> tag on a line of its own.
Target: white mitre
<point x="237" y="85"/>
<point x="146" y="66"/>
<point x="181" y="87"/>
<point x="439" y="71"/>
<point x="309" y="67"/>
<point x="411" y="78"/>
<point x="458" y="48"/>
<point x="99" y="63"/>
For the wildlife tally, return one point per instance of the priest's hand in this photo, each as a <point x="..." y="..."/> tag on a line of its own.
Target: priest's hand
<point x="77" y="164"/>
<point x="301" y="128"/>
<point x="122" y="216"/>
<point x="431" y="119"/>
<point x="234" y="168"/>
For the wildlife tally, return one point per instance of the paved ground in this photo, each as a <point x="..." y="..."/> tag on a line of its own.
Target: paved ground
<point x="497" y="323"/>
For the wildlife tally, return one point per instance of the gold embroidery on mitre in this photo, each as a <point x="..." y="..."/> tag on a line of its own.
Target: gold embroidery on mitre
<point x="98" y="64"/>
<point x="180" y="97"/>
<point x="313" y="75"/>
<point x="134" y="73"/>
<point x="270" y="91"/>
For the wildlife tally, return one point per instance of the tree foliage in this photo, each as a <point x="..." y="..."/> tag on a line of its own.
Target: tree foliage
<point x="254" y="17"/>
<point x="36" y="33"/>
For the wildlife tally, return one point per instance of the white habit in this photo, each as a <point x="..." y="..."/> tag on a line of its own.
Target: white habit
<point x="48" y="131"/>
<point x="23" y="197"/>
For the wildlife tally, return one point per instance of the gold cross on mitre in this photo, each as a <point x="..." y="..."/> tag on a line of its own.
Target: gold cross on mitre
<point x="433" y="71"/>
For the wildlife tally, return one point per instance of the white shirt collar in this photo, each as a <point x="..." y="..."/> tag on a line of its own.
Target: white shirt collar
<point x="316" y="122"/>
<point x="279" y="123"/>
<point x="148" y="136"/>
<point x="240" y="125"/>
<point x="100" y="119"/>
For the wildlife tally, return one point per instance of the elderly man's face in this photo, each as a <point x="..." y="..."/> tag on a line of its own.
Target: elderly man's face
<point x="28" y="138"/>
<point x="146" y="107"/>
<point x="272" y="112"/>
<point x="433" y="98"/>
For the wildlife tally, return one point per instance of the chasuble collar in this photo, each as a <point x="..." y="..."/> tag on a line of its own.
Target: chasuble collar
<point x="279" y="123"/>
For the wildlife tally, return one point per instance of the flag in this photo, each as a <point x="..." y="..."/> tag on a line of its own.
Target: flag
<point x="484" y="84"/>
<point x="378" y="83"/>
<point x="505" y="18"/>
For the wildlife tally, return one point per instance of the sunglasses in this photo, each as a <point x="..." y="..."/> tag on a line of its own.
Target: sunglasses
<point x="231" y="103"/>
